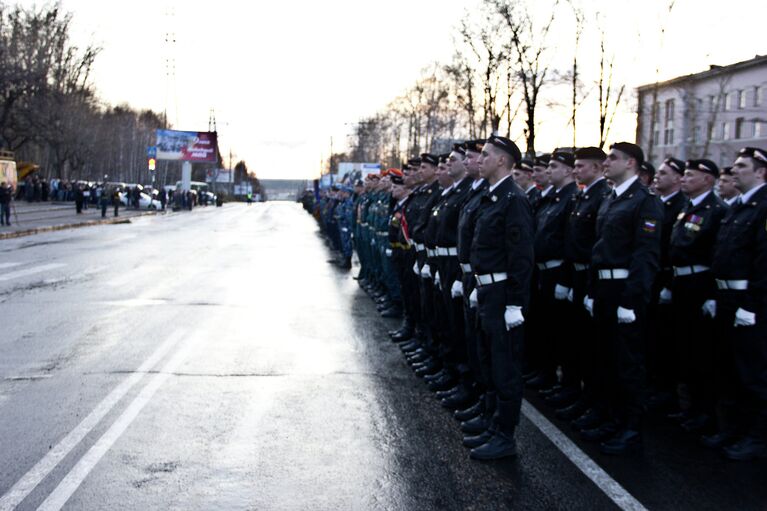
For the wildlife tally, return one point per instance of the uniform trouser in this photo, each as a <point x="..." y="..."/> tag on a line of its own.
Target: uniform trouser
<point x="551" y="320"/>
<point x="455" y="353"/>
<point x="471" y="332"/>
<point x="694" y="334"/>
<point x="79" y="206"/>
<point x="437" y="315"/>
<point x="500" y="355"/>
<point x="535" y="352"/>
<point x="745" y="349"/>
<point x="584" y="341"/>
<point x="5" y="213"/>
<point x="426" y="295"/>
<point x="621" y="355"/>
<point x="346" y="240"/>
<point x="662" y="345"/>
<point x="391" y="280"/>
<point x="409" y="285"/>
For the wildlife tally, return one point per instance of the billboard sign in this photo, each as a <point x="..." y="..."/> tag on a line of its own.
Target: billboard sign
<point x="358" y="170"/>
<point x="190" y="146"/>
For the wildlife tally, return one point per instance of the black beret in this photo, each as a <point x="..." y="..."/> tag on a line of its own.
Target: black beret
<point x="443" y="157"/>
<point x="526" y="165"/>
<point x="543" y="160"/>
<point x="564" y="157"/>
<point x="414" y="162"/>
<point x="677" y="166"/>
<point x="430" y="158"/>
<point x="460" y="148"/>
<point x="474" y="146"/>
<point x="590" y="153"/>
<point x="726" y="171"/>
<point x="648" y="168"/>
<point x="632" y="150"/>
<point x="755" y="153"/>
<point x="506" y="145"/>
<point x="707" y="166"/>
<point x="396" y="180"/>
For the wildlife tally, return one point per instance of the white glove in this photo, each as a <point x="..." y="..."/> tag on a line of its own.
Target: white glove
<point x="513" y="316"/>
<point x="457" y="289"/>
<point x="388" y="252"/>
<point x="570" y="296"/>
<point x="373" y="242"/>
<point x="561" y="292"/>
<point x="665" y="296"/>
<point x="426" y="271"/>
<point x="416" y="269"/>
<point x="473" y="301"/>
<point x="437" y="280"/>
<point x="588" y="303"/>
<point x="626" y="315"/>
<point x="744" y="318"/>
<point x="709" y="308"/>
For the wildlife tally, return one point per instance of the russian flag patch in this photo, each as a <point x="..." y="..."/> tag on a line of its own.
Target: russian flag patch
<point x="649" y="226"/>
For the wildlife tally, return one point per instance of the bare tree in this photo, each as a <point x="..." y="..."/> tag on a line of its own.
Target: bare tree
<point x="609" y="99"/>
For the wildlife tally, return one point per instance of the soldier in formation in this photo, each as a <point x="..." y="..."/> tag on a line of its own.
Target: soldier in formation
<point x="607" y="287"/>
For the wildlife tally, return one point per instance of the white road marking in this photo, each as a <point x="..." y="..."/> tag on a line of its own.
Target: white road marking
<point x="42" y="468"/>
<point x="80" y="471"/>
<point x="8" y="265"/>
<point x="29" y="271"/>
<point x="622" y="498"/>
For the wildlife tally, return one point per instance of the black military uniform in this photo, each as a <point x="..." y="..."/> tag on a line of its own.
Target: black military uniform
<point x="402" y="262"/>
<point x="502" y="260"/>
<point x="466" y="224"/>
<point x="446" y="263"/>
<point x="551" y="334"/>
<point x="624" y="265"/>
<point x="740" y="259"/>
<point x="662" y="345"/>
<point x="580" y="236"/>
<point x="690" y="252"/>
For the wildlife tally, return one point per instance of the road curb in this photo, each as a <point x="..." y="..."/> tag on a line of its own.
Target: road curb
<point x="89" y="223"/>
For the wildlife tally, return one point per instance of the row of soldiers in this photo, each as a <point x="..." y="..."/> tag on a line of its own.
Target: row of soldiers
<point x="567" y="273"/>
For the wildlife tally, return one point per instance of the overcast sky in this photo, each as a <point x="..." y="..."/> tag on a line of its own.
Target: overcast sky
<point x="283" y="77"/>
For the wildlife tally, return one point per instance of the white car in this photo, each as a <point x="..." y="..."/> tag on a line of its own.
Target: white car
<point x="144" y="201"/>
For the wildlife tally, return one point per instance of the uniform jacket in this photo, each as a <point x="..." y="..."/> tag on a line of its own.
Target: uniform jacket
<point x="694" y="233"/>
<point x="551" y="220"/>
<point x="503" y="239"/>
<point x="448" y="212"/>
<point x="671" y="209"/>
<point x="466" y="220"/>
<point x="740" y="252"/>
<point x="431" y="195"/>
<point x="628" y="237"/>
<point x="581" y="229"/>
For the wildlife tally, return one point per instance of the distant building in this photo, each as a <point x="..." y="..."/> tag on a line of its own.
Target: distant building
<point x="705" y="115"/>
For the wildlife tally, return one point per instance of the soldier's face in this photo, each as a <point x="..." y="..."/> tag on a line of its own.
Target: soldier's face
<point x="541" y="176"/>
<point x="745" y="175"/>
<point x="455" y="166"/>
<point x="616" y="165"/>
<point x="490" y="161"/>
<point x="442" y="176"/>
<point x="472" y="164"/>
<point x="523" y="178"/>
<point x="558" y="173"/>
<point x="727" y="186"/>
<point x="427" y="172"/>
<point x="695" y="182"/>
<point x="587" y="171"/>
<point x="666" y="179"/>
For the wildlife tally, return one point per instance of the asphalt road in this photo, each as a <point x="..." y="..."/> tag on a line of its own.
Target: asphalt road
<point x="214" y="360"/>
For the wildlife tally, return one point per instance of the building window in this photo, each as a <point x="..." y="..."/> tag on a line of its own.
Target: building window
<point x="759" y="129"/>
<point x="710" y="135"/>
<point x="656" y="137"/>
<point x="668" y="136"/>
<point x="741" y="97"/>
<point x="712" y="104"/>
<point x="669" y="112"/>
<point x="725" y="131"/>
<point x="695" y="134"/>
<point x="739" y="127"/>
<point x="758" y="91"/>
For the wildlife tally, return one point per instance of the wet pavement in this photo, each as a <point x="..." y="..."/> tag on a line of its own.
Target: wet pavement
<point x="214" y="360"/>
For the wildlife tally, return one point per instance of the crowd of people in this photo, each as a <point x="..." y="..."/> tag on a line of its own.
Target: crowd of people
<point x="611" y="289"/>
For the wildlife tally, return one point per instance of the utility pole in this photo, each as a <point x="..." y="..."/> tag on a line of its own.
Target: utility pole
<point x="330" y="160"/>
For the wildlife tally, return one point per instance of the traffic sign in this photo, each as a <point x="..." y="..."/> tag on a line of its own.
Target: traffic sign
<point x="151" y="151"/>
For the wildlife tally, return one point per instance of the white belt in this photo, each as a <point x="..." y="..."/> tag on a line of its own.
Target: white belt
<point x="431" y="253"/>
<point x="383" y="233"/>
<point x="466" y="268"/>
<point x="491" y="278"/>
<point x="580" y="267"/>
<point x="614" y="274"/>
<point x="683" y="271"/>
<point x="420" y="247"/>
<point x="737" y="285"/>
<point x="554" y="263"/>
<point x="364" y="224"/>
<point x="446" y="251"/>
